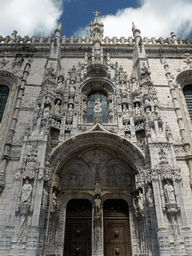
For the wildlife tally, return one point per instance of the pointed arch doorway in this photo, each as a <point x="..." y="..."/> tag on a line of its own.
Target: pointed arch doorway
<point x="117" y="240"/>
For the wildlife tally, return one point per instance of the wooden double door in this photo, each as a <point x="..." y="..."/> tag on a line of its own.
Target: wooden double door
<point x="78" y="232"/>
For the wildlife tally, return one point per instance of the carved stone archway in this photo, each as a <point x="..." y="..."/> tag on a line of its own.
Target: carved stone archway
<point x="124" y="147"/>
<point x="93" y="163"/>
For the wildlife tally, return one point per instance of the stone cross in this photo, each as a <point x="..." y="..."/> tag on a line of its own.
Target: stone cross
<point x="96" y="16"/>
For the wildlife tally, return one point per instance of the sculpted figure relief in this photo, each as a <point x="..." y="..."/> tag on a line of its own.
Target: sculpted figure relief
<point x="58" y="107"/>
<point x="98" y="106"/>
<point x="26" y="192"/>
<point x="138" y="203"/>
<point x="149" y="196"/>
<point x="169" y="193"/>
<point x="46" y="112"/>
<point x="70" y="114"/>
<point x="97" y="204"/>
<point x="60" y="84"/>
<point x="97" y="111"/>
<point x="140" y="200"/>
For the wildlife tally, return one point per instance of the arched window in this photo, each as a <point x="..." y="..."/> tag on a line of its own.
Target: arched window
<point x="92" y="97"/>
<point x="187" y="91"/>
<point x="4" y="92"/>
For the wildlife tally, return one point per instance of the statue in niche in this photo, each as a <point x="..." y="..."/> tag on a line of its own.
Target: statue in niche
<point x="26" y="192"/>
<point x="97" y="111"/>
<point x="137" y="110"/>
<point x="48" y="100"/>
<point x="97" y="205"/>
<point x="125" y="114"/>
<point x="149" y="196"/>
<point x="55" y="202"/>
<point x="140" y="200"/>
<point x="58" y="107"/>
<point x="46" y="112"/>
<point x="138" y="203"/>
<point x="148" y="113"/>
<point x="72" y="89"/>
<point x="123" y="89"/>
<point x="69" y="119"/>
<point x="60" y="84"/>
<point x="169" y="193"/>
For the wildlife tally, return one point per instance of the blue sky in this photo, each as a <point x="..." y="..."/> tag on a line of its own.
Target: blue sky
<point x="79" y="13"/>
<point x="155" y="18"/>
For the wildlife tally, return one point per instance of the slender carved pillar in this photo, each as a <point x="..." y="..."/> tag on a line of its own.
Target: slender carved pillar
<point x="179" y="120"/>
<point x="175" y="103"/>
<point x="7" y="149"/>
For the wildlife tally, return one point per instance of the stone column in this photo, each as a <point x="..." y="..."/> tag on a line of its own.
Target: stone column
<point x="7" y="149"/>
<point x="175" y="102"/>
<point x="164" y="247"/>
<point x="97" y="232"/>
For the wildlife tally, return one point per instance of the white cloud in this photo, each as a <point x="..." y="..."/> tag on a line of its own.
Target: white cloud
<point x="29" y="17"/>
<point x="155" y="18"/>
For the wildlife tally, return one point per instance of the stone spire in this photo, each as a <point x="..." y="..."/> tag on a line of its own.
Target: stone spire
<point x="136" y="34"/>
<point x="96" y="28"/>
<point x="58" y="33"/>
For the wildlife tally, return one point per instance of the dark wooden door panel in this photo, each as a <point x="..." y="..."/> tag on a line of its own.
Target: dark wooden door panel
<point x="116" y="229"/>
<point x="117" y="238"/>
<point x="78" y="238"/>
<point x="78" y="228"/>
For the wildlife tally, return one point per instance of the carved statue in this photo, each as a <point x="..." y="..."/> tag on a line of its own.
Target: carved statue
<point x="46" y="112"/>
<point x="69" y="119"/>
<point x="137" y="110"/>
<point x="125" y="115"/>
<point x="148" y="113"/>
<point x="140" y="200"/>
<point x="149" y="196"/>
<point x="26" y="192"/>
<point x="60" y="84"/>
<point x="55" y="202"/>
<point x="98" y="111"/>
<point x="138" y="203"/>
<point x="58" y="107"/>
<point x="97" y="204"/>
<point x="98" y="106"/>
<point x="169" y="193"/>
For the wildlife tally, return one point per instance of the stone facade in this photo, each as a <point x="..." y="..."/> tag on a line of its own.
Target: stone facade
<point x="51" y="153"/>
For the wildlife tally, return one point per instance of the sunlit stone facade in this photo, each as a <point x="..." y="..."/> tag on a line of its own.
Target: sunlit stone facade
<point x="95" y="145"/>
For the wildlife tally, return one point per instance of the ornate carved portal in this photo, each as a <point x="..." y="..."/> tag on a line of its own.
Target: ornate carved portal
<point x="78" y="228"/>
<point x="117" y="239"/>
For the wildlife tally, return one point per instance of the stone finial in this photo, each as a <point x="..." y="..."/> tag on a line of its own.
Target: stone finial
<point x="136" y="34"/>
<point x="133" y="26"/>
<point x="58" y="31"/>
<point x="96" y="19"/>
<point x="60" y="26"/>
<point x="96" y="28"/>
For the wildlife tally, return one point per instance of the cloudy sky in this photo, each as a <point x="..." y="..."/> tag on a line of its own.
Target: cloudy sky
<point x="155" y="18"/>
